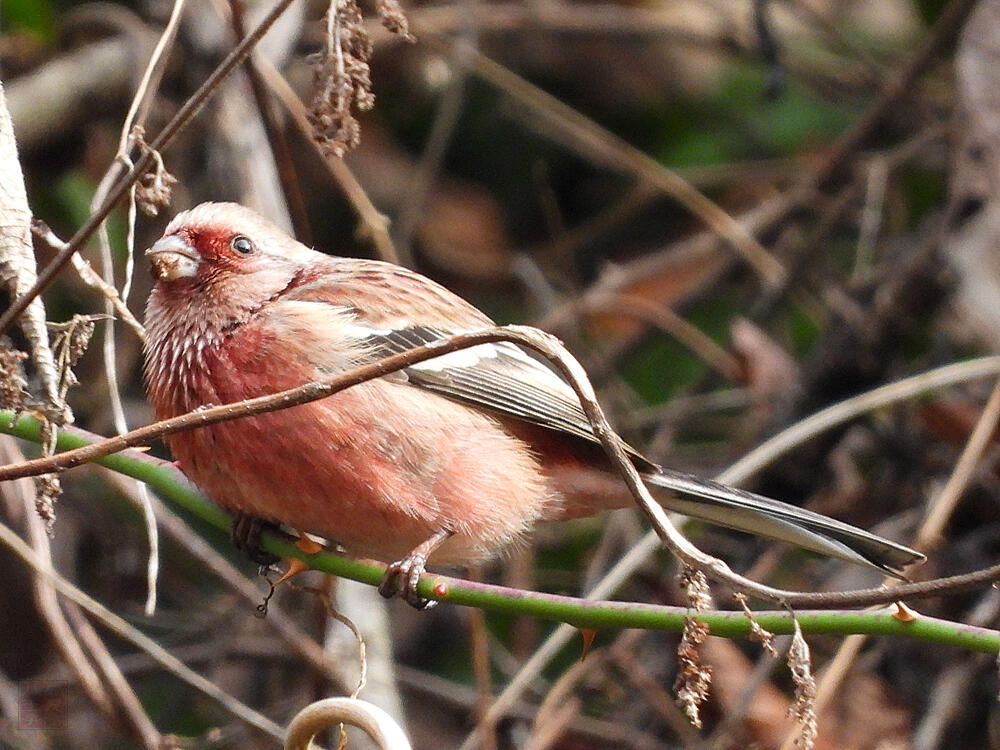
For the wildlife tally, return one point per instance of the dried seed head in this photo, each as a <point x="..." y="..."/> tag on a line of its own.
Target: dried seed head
<point x="14" y="393"/>
<point x="153" y="191"/>
<point x="342" y="74"/>
<point x="393" y="18"/>
<point x="803" y="708"/>
<point x="47" y="491"/>
<point x="691" y="687"/>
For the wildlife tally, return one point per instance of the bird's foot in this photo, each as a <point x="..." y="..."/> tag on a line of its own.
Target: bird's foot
<point x="245" y="533"/>
<point x="401" y="577"/>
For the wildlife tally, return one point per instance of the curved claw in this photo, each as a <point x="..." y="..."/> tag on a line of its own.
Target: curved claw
<point x="401" y="577"/>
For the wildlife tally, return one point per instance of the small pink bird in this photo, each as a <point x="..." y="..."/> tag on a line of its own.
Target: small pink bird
<point x="455" y="458"/>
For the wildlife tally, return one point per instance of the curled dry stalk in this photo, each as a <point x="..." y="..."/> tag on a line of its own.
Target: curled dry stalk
<point x="320" y="715"/>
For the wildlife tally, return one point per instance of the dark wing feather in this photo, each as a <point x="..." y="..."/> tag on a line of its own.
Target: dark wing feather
<point x="500" y="377"/>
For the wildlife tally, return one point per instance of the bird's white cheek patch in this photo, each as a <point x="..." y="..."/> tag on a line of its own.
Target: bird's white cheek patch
<point x="462" y="358"/>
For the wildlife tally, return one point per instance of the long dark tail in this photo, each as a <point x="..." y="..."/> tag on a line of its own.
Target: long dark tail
<point x="755" y="514"/>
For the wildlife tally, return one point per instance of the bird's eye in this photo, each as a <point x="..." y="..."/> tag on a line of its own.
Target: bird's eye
<point x="242" y="245"/>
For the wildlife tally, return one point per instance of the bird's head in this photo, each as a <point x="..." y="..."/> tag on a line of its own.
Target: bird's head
<point x="223" y="260"/>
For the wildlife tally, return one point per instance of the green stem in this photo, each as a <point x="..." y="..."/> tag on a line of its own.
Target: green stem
<point x="171" y="484"/>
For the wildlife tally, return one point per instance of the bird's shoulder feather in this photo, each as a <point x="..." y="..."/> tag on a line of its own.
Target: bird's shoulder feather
<point x="393" y="310"/>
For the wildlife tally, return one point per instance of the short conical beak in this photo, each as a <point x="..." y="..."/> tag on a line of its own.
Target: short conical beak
<point x="172" y="258"/>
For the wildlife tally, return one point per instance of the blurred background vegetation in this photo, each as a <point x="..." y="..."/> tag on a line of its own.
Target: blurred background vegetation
<point x="551" y="162"/>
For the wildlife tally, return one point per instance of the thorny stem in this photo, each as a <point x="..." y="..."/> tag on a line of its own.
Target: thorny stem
<point x="169" y="482"/>
<point x="190" y="108"/>
<point x="553" y="350"/>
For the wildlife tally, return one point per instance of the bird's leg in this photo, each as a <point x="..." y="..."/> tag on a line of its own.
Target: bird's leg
<point x="245" y="533"/>
<point x="402" y="576"/>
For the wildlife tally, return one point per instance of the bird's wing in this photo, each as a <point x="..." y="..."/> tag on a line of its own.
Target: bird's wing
<point x="503" y="378"/>
<point x="500" y="377"/>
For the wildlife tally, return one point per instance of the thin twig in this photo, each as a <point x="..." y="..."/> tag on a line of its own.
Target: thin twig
<point x="944" y="505"/>
<point x="668" y="321"/>
<point x="90" y="277"/>
<point x="261" y="405"/>
<point x="445" y="121"/>
<point x="285" y="166"/>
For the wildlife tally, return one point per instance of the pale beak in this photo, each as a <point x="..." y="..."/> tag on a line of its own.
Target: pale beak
<point x="172" y="258"/>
